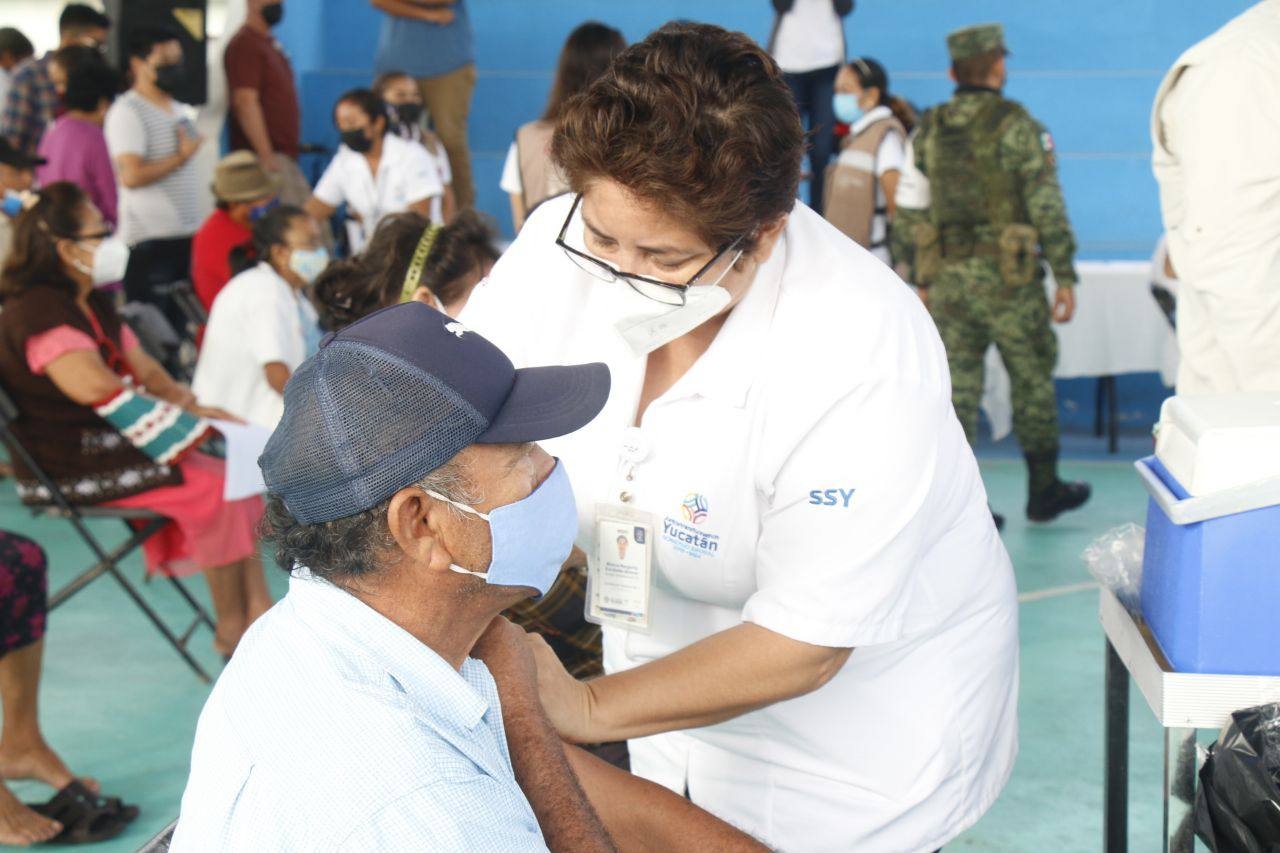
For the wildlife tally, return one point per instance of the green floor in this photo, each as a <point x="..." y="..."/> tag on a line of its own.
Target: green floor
<point x="121" y="706"/>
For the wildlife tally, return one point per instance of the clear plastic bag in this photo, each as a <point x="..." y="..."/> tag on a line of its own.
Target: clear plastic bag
<point x="1115" y="561"/>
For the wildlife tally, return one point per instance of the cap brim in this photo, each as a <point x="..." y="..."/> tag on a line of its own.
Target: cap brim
<point x="548" y="402"/>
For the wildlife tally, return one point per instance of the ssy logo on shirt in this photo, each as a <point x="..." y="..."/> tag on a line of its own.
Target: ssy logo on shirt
<point x="684" y="536"/>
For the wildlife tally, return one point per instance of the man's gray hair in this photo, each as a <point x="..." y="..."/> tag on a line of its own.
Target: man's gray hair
<point x="357" y="546"/>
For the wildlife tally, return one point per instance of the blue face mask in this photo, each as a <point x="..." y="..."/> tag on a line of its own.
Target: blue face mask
<point x="531" y="537"/>
<point x="845" y="105"/>
<point x="258" y="211"/>
<point x="309" y="263"/>
<point x="12" y="205"/>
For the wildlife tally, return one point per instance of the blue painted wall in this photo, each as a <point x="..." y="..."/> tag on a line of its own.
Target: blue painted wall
<point x="1087" y="68"/>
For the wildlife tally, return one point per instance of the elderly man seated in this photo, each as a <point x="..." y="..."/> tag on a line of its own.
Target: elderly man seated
<point x="383" y="704"/>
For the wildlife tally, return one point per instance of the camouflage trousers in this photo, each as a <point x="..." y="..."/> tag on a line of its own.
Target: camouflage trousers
<point x="974" y="308"/>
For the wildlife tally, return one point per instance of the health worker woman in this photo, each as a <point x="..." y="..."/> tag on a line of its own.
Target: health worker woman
<point x="812" y="625"/>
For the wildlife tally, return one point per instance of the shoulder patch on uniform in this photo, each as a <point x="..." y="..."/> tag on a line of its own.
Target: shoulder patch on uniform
<point x="1046" y="142"/>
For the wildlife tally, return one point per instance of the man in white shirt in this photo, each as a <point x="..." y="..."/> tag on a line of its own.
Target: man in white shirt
<point x="383" y="705"/>
<point x="1214" y="129"/>
<point x="808" y="43"/>
<point x="152" y="139"/>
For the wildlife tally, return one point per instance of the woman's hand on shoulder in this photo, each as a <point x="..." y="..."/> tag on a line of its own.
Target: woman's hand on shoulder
<point x="567" y="701"/>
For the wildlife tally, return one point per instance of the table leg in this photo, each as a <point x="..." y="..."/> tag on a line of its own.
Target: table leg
<point x="1179" y="790"/>
<point x="1115" y="827"/>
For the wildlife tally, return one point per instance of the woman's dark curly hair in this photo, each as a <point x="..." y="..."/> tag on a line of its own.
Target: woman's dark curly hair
<point x="695" y="120"/>
<point x="347" y="291"/>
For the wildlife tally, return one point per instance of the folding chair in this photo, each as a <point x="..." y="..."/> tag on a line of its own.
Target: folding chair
<point x="142" y="525"/>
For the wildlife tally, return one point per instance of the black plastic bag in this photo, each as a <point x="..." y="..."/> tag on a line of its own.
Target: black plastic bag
<point x="1238" y="800"/>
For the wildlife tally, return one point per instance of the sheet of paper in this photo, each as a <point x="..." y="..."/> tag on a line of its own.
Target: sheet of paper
<point x="245" y="443"/>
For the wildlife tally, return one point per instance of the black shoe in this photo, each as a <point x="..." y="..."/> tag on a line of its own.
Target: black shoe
<point x="998" y="519"/>
<point x="1060" y="497"/>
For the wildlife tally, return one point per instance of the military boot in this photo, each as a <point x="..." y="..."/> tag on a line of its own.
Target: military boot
<point x="1047" y="496"/>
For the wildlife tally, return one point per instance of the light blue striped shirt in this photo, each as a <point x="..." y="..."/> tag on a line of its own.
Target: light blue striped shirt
<point x="335" y="729"/>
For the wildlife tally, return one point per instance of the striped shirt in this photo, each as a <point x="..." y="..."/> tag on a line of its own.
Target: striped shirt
<point x="170" y="207"/>
<point x="335" y="729"/>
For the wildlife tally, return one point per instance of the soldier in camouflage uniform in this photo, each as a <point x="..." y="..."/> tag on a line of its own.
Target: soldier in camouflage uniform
<point x="993" y="210"/>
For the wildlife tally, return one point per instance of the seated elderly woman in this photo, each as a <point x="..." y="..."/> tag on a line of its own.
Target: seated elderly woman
<point x="262" y="325"/>
<point x="76" y="813"/>
<point x="383" y="705"/>
<point x="85" y="390"/>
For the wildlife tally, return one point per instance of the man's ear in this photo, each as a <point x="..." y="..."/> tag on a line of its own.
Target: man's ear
<point x="951" y="72"/>
<point x="413" y="519"/>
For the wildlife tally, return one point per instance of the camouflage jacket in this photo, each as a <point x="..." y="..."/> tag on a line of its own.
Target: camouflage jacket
<point x="1024" y="152"/>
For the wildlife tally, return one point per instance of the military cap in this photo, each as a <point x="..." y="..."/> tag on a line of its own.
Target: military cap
<point x="971" y="41"/>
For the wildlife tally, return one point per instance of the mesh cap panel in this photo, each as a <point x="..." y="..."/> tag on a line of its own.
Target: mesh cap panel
<point x="360" y="424"/>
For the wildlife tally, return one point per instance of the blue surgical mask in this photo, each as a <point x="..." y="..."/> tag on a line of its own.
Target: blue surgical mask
<point x="845" y="105"/>
<point x="12" y="205"/>
<point x="260" y="210"/>
<point x="531" y="537"/>
<point x="309" y="263"/>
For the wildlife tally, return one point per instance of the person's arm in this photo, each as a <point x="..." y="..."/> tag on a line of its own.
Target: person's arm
<point x="135" y="172"/>
<point x="83" y="377"/>
<point x="730" y="673"/>
<point x="318" y="210"/>
<point x="517" y="211"/>
<point x="248" y="110"/>
<point x="277" y="373"/>
<point x="642" y="816"/>
<point x="328" y="193"/>
<point x="1028" y="148"/>
<point x="449" y="204"/>
<point x="889" y="181"/>
<point x="537" y="755"/>
<point x="422" y="207"/>
<point x="434" y="13"/>
<point x="156" y="380"/>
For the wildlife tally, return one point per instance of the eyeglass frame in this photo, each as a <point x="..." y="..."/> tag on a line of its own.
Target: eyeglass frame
<point x="616" y="274"/>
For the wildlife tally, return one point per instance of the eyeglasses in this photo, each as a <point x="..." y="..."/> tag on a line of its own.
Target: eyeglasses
<point x="666" y="292"/>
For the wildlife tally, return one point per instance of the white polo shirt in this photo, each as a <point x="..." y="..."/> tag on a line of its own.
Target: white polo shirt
<point x="406" y="174"/>
<point x="807" y="475"/>
<point x="256" y="319"/>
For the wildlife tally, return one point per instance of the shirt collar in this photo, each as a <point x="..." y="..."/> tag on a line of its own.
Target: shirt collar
<point x="434" y="688"/>
<point x="967" y="89"/>
<point x="728" y="367"/>
<point x="869" y="118"/>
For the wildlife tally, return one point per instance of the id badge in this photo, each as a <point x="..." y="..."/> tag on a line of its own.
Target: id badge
<point x="620" y="572"/>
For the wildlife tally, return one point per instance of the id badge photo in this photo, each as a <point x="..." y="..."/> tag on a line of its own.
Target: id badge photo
<point x="620" y="571"/>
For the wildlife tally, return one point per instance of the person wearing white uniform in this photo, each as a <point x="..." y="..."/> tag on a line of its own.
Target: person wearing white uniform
<point x="813" y="628"/>
<point x="375" y="173"/>
<point x="262" y="325"/>
<point x="808" y="43"/>
<point x="404" y="109"/>
<point x="1214" y="129"/>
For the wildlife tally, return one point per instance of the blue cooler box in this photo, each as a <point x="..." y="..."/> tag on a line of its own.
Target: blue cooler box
<point x="1211" y="575"/>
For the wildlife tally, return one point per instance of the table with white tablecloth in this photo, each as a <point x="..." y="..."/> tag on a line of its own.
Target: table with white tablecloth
<point x="1118" y="328"/>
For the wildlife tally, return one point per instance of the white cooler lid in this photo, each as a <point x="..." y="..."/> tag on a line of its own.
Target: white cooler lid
<point x="1214" y="442"/>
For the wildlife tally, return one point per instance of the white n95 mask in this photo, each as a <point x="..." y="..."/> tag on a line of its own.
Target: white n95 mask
<point x="110" y="259"/>
<point x="531" y="537"/>
<point x="656" y="324"/>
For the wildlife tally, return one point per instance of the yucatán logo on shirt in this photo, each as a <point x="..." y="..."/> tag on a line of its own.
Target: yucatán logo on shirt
<point x="686" y="538"/>
<point x="831" y="497"/>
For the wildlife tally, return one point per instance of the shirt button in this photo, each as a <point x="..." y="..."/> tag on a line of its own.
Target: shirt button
<point x="625" y="497"/>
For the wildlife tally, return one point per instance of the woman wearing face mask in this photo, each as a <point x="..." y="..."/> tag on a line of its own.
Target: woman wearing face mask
<point x="84" y="385"/>
<point x="375" y="173"/>
<point x="262" y="325"/>
<point x="529" y="176"/>
<point x="400" y="93"/>
<point x="861" y="182"/>
<point x="813" y="630"/>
